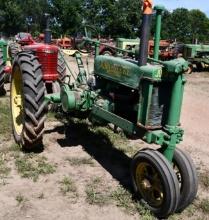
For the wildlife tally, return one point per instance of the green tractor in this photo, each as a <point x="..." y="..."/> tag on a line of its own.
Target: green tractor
<point x="143" y="97"/>
<point x="5" y="66"/>
<point x="197" y="55"/>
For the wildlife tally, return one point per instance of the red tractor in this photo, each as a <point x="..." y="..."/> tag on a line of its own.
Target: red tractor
<point x="49" y="56"/>
<point x="30" y="65"/>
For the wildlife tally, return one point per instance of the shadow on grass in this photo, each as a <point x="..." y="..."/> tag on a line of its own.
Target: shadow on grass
<point x="99" y="146"/>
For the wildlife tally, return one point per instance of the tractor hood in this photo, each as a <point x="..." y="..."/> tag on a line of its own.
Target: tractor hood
<point x="125" y="72"/>
<point x="40" y="47"/>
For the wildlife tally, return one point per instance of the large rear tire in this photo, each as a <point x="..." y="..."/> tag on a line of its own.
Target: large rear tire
<point x="13" y="50"/>
<point x="61" y="67"/>
<point x="2" y="75"/>
<point x="27" y="101"/>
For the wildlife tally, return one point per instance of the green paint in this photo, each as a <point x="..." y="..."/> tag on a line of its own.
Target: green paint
<point x="115" y="119"/>
<point x="146" y="94"/>
<point x="3" y="46"/>
<point x="82" y="77"/>
<point x="118" y="70"/>
<point x="159" y="10"/>
<point x="176" y="101"/>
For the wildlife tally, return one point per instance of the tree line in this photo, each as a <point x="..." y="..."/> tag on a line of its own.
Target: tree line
<point x="112" y="18"/>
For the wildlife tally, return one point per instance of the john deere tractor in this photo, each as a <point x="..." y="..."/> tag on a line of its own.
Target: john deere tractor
<point x="143" y="97"/>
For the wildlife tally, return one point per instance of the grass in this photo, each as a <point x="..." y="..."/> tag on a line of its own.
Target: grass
<point x="96" y="194"/>
<point x="204" y="205"/>
<point x="4" y="169"/>
<point x="204" y="179"/>
<point x="14" y="147"/>
<point x="20" y="199"/>
<point x="75" y="161"/>
<point x="32" y="166"/>
<point x="123" y="199"/>
<point x="68" y="186"/>
<point x="5" y="119"/>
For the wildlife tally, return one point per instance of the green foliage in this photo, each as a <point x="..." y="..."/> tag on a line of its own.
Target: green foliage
<point x="113" y="18"/>
<point x="67" y="15"/>
<point x="185" y="26"/>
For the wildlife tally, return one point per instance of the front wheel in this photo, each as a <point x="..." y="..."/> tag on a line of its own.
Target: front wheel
<point x="187" y="177"/>
<point x="27" y="101"/>
<point x="155" y="182"/>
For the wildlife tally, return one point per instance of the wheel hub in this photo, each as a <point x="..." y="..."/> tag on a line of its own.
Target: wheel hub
<point x="17" y="101"/>
<point x="149" y="184"/>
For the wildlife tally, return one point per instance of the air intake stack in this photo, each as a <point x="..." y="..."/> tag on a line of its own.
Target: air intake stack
<point x="145" y="31"/>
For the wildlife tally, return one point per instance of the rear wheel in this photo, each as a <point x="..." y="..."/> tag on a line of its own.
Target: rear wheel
<point x="61" y="67"/>
<point x="155" y="182"/>
<point x="2" y="74"/>
<point x="27" y="101"/>
<point x="14" y="48"/>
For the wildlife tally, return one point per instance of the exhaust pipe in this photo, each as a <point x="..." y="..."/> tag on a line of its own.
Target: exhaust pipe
<point x="47" y="34"/>
<point x="145" y="31"/>
<point x="159" y="10"/>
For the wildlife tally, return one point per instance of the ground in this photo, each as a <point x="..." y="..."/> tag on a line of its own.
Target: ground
<point x="83" y="172"/>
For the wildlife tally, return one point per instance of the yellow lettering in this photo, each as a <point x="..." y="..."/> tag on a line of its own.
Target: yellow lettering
<point x="114" y="69"/>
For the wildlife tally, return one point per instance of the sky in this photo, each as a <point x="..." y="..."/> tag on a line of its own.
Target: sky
<point x="189" y="4"/>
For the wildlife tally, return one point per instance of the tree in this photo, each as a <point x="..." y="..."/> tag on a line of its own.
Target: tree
<point x="67" y="15"/>
<point x="119" y="18"/>
<point x="12" y="17"/>
<point x="199" y="26"/>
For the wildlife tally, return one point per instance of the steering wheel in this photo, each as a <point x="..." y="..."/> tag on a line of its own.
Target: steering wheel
<point x="83" y="46"/>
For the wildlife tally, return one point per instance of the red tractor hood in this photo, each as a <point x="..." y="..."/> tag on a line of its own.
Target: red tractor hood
<point x="41" y="47"/>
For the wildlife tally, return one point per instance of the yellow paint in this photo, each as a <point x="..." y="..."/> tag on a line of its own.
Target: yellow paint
<point x="149" y="184"/>
<point x="71" y="52"/>
<point x="17" y="100"/>
<point x="115" y="70"/>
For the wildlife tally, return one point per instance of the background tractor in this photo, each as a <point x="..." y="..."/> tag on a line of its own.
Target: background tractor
<point x="143" y="99"/>
<point x="5" y="66"/>
<point x="197" y="55"/>
<point x="49" y="56"/>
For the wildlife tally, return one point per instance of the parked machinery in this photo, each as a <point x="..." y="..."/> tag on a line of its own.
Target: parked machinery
<point x="197" y="55"/>
<point x="144" y="99"/>
<point x="5" y="66"/>
<point x="49" y="58"/>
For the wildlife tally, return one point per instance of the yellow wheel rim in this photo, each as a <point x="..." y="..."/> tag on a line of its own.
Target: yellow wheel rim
<point x="17" y="100"/>
<point x="149" y="184"/>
